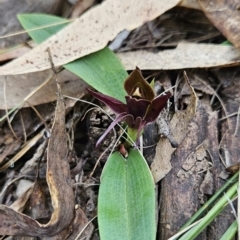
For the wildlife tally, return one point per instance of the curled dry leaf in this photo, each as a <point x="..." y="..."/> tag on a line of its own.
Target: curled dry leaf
<point x="178" y="127"/>
<point x="186" y="55"/>
<point x="225" y="16"/>
<point x="82" y="36"/>
<point x="59" y="182"/>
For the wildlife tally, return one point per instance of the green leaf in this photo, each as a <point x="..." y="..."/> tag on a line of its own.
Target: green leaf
<point x="33" y="22"/>
<point x="102" y="70"/>
<point x="126" y="204"/>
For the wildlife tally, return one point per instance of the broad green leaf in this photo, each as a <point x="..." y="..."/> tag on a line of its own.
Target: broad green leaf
<point x="102" y="70"/>
<point x="126" y="204"/>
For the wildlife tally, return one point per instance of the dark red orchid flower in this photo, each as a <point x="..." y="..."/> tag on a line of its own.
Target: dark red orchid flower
<point x="141" y="108"/>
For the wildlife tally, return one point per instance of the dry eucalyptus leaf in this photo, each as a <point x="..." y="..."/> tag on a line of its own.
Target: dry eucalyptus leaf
<point x="178" y="127"/>
<point x="186" y="55"/>
<point x="225" y="16"/>
<point x="59" y="183"/>
<point x="20" y="86"/>
<point x="89" y="33"/>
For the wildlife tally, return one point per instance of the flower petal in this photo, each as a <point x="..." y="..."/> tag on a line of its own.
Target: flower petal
<point x="156" y="107"/>
<point x="111" y="126"/>
<point x="116" y="105"/>
<point x="136" y="83"/>
<point x="137" y="107"/>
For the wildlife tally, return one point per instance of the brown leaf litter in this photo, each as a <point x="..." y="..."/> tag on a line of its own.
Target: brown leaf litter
<point x="60" y="188"/>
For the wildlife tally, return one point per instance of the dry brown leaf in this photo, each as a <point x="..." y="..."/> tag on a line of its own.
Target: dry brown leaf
<point x="59" y="182"/>
<point x="83" y="36"/>
<point x="225" y="16"/>
<point x="190" y="4"/>
<point x="178" y="128"/>
<point x="186" y="55"/>
<point x="20" y="86"/>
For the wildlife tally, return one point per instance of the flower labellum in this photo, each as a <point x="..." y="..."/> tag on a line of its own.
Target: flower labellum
<point x="142" y="106"/>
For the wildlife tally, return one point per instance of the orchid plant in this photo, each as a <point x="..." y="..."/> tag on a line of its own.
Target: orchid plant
<point x="142" y="106"/>
<point x="126" y="199"/>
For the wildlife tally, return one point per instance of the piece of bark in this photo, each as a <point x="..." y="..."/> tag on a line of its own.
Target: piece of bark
<point x="179" y="203"/>
<point x="181" y="190"/>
